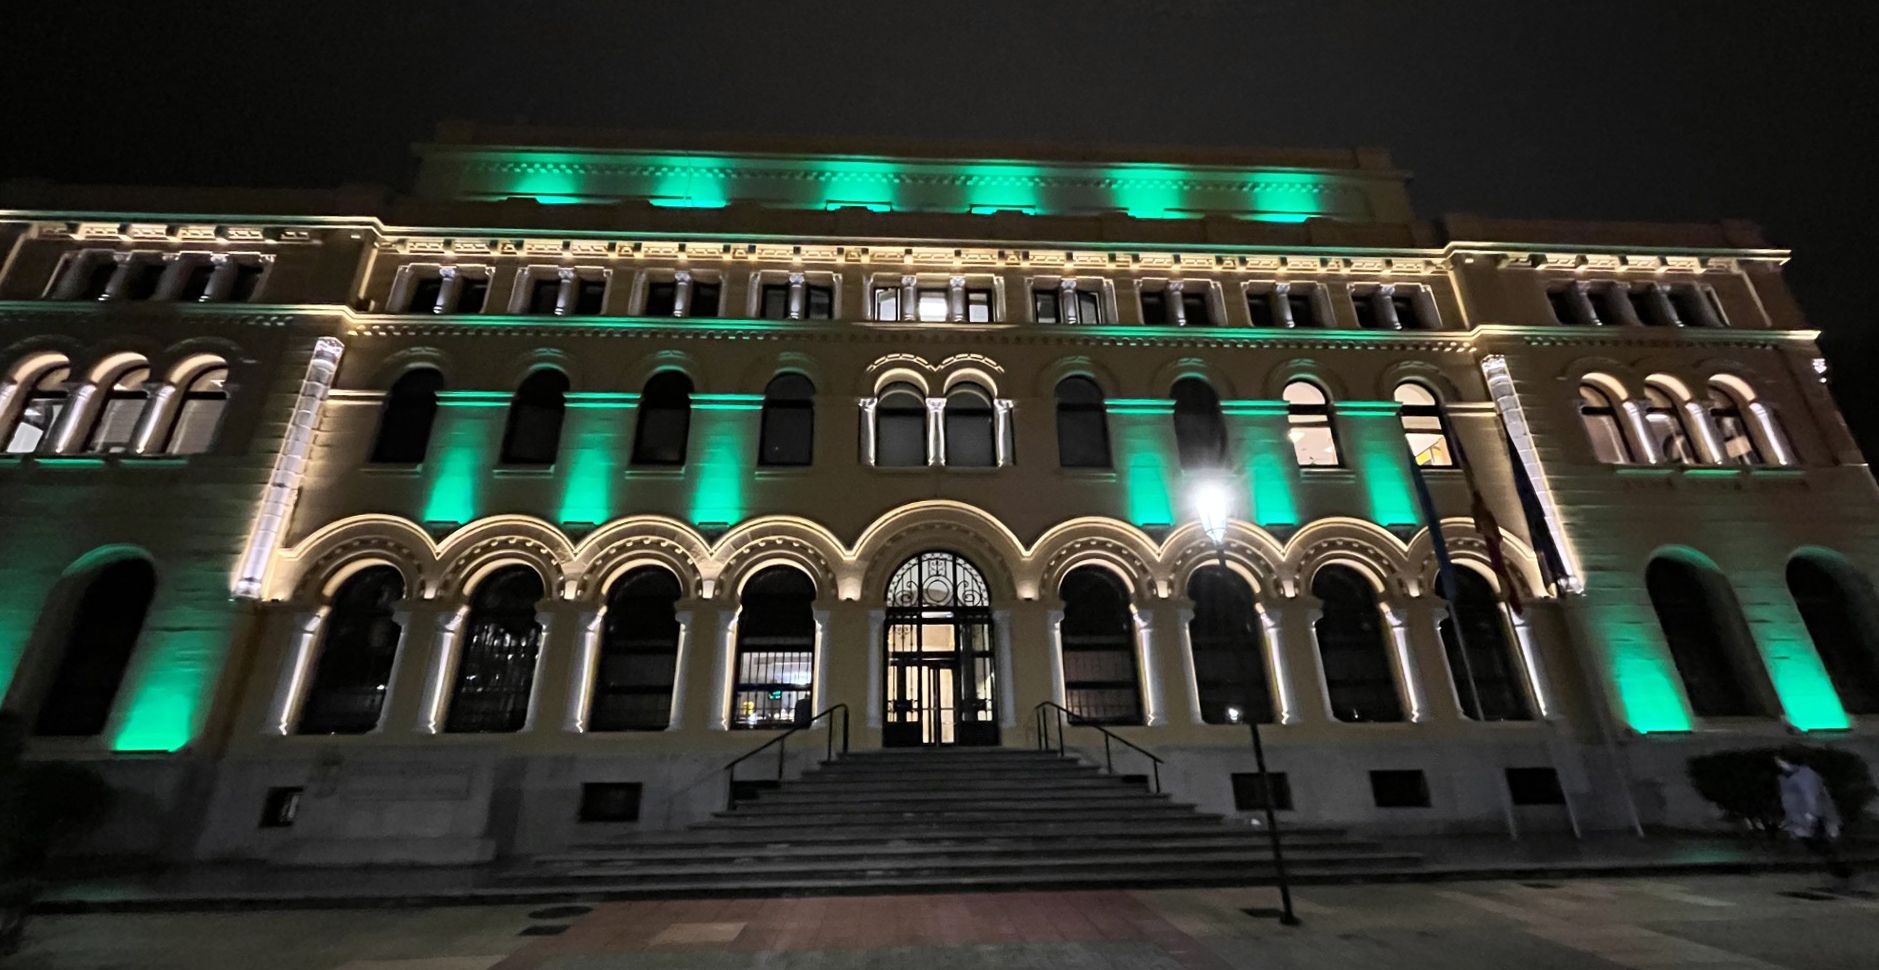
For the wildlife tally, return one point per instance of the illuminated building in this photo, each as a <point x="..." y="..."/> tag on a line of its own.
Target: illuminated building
<point x="597" y="466"/>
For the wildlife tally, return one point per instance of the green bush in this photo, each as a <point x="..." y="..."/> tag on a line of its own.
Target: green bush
<point x="1744" y="784"/>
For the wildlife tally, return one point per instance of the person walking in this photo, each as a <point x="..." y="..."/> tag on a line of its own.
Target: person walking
<point x="1808" y="814"/>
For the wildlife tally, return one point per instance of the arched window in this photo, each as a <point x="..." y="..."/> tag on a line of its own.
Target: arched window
<point x="496" y="663"/>
<point x="103" y="628"/>
<point x="404" y="426"/>
<point x="1308" y="420"/>
<point x="43" y="400"/>
<point x="1703" y="627"/>
<point x="1082" y="426"/>
<point x="354" y="667"/>
<point x="971" y="430"/>
<point x="789" y="421"/>
<point x="534" y="433"/>
<point x="1732" y="430"/>
<point x="1101" y="681"/>
<point x="1838" y="607"/>
<point x="1200" y="435"/>
<point x="1352" y="647"/>
<point x="639" y="653"/>
<point x="1229" y="650"/>
<point x="1602" y="428"/>
<point x="199" y="413"/>
<point x="665" y="420"/>
<point x="124" y="394"/>
<point x="1423" y="426"/>
<point x="1665" y="421"/>
<point x="776" y="651"/>
<point x="900" y="427"/>
<point x="1487" y="674"/>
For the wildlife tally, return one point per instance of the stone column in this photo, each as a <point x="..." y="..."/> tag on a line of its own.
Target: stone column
<point x="1702" y="432"/>
<point x="1582" y="302"/>
<point x="868" y="405"/>
<point x="936" y="431"/>
<point x="68" y="435"/>
<point x="221" y="279"/>
<point x="1177" y="312"/>
<point x="909" y="298"/>
<point x="450" y="284"/>
<point x="956" y="299"/>
<point x="681" y="293"/>
<point x="1385" y="303"/>
<point x="564" y="669"/>
<point x="1281" y="298"/>
<point x="688" y="645"/>
<point x="159" y="411"/>
<point x="797" y="296"/>
<point x="120" y="277"/>
<point x="175" y="274"/>
<point x="1425" y="688"/>
<point x="420" y="678"/>
<point x="1067" y="301"/>
<point x="1660" y="301"/>
<point x="1001" y="430"/>
<point x="1170" y="661"/>
<point x="1302" y="679"/>
<point x="707" y="666"/>
<point x="1636" y="430"/>
<point x="1620" y="303"/>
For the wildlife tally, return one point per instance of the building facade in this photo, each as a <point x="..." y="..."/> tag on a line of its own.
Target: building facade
<point x="349" y="526"/>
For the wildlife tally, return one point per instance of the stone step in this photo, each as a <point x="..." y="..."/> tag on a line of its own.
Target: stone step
<point x="1194" y="826"/>
<point x="1159" y="844"/>
<point x="1137" y="877"/>
<point x="824" y="788"/>
<point x="795" y="795"/>
<point x="1139" y="816"/>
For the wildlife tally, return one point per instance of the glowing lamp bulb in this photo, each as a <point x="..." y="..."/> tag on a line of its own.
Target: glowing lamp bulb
<point x="1211" y="502"/>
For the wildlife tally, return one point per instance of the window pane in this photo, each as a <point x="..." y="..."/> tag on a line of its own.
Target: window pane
<point x="1703" y="627"/>
<point x="1487" y="675"/>
<point x="104" y="625"/>
<point x="705" y="300"/>
<point x="358" y="644"/>
<point x="1259" y="305"/>
<point x="496" y="664"/>
<point x="932" y="305"/>
<point x="1353" y="649"/>
<point x="1089" y="308"/>
<point x="543" y="294"/>
<point x="887" y="303"/>
<point x="775" y="304"/>
<point x="820" y="303"/>
<point x="970" y="429"/>
<point x="1154" y="307"/>
<point x="978" y="306"/>
<point x="1044" y="306"/>
<point x="1101" y="682"/>
<point x="661" y="299"/>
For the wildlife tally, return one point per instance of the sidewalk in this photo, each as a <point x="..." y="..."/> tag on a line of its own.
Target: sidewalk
<point x="259" y="886"/>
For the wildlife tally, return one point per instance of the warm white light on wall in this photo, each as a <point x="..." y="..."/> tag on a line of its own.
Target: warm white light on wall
<point x="290" y="465"/>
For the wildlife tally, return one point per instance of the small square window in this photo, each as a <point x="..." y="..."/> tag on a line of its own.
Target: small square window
<point x="590" y="295"/>
<point x="280" y="807"/>
<point x="610" y="801"/>
<point x="472" y="294"/>
<point x="544" y="295"/>
<point x="425" y="292"/>
<point x="775" y="302"/>
<point x="1044" y="306"/>
<point x="1154" y="308"/>
<point x="1535" y="786"/>
<point x="704" y="300"/>
<point x="1249" y="792"/>
<point x="661" y="298"/>
<point x="1196" y="309"/>
<point x="820" y="302"/>
<point x="1259" y="306"/>
<point x="1399" y="789"/>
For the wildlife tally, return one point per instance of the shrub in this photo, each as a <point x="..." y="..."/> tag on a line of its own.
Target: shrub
<point x="1744" y="785"/>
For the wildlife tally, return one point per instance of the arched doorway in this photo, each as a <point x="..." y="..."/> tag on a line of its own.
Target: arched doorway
<point x="938" y="649"/>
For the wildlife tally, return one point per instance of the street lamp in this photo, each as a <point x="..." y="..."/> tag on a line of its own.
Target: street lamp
<point x="1213" y="503"/>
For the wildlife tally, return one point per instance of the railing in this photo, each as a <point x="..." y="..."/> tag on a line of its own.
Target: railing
<point x="1066" y="717"/>
<point x="781" y="743"/>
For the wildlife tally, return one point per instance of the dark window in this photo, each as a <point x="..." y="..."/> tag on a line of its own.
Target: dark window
<point x="900" y="427"/>
<point x="1402" y="788"/>
<point x="1044" y="306"/>
<point x="1089" y="307"/>
<point x="971" y="430"/>
<point x="280" y="807"/>
<point x="1365" y="303"/>
<point x="104" y="626"/>
<point x="1100" y="679"/>
<point x="1665" y="421"/>
<point x="590" y="296"/>
<point x="661" y="299"/>
<point x="426" y="291"/>
<point x="96" y="272"/>
<point x="1408" y="307"/>
<point x="198" y="417"/>
<point x="1600" y="418"/>
<point x="1082" y="425"/>
<point x="145" y="276"/>
<point x="359" y="644"/>
<point x="1353" y="649"/>
<point x="544" y="294"/>
<point x="776" y="639"/>
<point x="705" y="300"/>
<point x="1304" y="308"/>
<point x="1725" y="412"/>
<point x="1565" y="308"/>
<point x="1535" y="786"/>
<point x="1155" y="307"/>
<point x="496" y="660"/>
<point x="472" y="294"/>
<point x="610" y="801"/>
<point x="1837" y="604"/>
<point x="1249" y="791"/>
<point x="1196" y="309"/>
<point x="534" y="433"/>
<point x="819" y="302"/>
<point x="247" y="282"/>
<point x="404" y="426"/>
<point x="1200" y="434"/>
<point x="116" y="422"/>
<point x="665" y="420"/>
<point x="1487" y="675"/>
<point x="196" y="281"/>
<point x="1229" y="650"/>
<point x="1692" y="309"/>
<point x="639" y="648"/>
<point x="1649" y="306"/>
<point x="789" y="422"/>
<point x="775" y="302"/>
<point x="1259" y="306"/>
<point x="1703" y="627"/>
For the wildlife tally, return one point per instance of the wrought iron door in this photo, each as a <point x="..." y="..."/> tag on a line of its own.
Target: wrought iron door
<point x="938" y="645"/>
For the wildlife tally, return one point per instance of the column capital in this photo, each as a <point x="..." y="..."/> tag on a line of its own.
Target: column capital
<point x="795" y="278"/>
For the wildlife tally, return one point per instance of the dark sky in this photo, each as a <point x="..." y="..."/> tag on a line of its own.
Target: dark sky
<point x="1642" y="109"/>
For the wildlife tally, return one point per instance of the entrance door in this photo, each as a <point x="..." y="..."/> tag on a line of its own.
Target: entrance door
<point x="939" y="659"/>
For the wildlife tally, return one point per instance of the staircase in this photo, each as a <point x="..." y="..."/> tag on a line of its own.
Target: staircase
<point x="948" y="820"/>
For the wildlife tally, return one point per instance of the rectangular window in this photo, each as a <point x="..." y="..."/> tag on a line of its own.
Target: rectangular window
<point x="472" y="294"/>
<point x="1155" y="308"/>
<point x="1196" y="309"/>
<point x="1565" y="309"/>
<point x="610" y="801"/>
<point x="661" y="299"/>
<point x="1044" y="306"/>
<point x="425" y="293"/>
<point x="1535" y="786"/>
<point x="1249" y="791"/>
<point x="774" y="303"/>
<point x="932" y="306"/>
<point x="774" y="675"/>
<point x="887" y="303"/>
<point x="978" y="306"/>
<point x="1304" y="308"/>
<point x="1407" y="303"/>
<point x="91" y="276"/>
<point x="590" y="296"/>
<point x="705" y="300"/>
<point x="247" y="281"/>
<point x="1401" y="788"/>
<point x="544" y="295"/>
<point x="1365" y="303"/>
<point x="1089" y="307"/>
<point x="280" y="807"/>
<point x="819" y="302"/>
<point x="1259" y="307"/>
<point x="196" y="279"/>
<point x="143" y="279"/>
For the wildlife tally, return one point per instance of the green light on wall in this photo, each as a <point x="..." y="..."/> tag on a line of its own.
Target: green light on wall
<point x="998" y="186"/>
<point x="1149" y="191"/>
<point x="164" y="696"/>
<point x="1806" y="691"/>
<point x="692" y="182"/>
<point x="162" y="711"/>
<point x="1271" y="473"/>
<point x="1372" y="435"/>
<point x="1142" y="431"/>
<point x="592" y="444"/>
<point x="454" y="468"/>
<point x="723" y="439"/>
<point x="1288" y="196"/>
<point x="1646" y="682"/>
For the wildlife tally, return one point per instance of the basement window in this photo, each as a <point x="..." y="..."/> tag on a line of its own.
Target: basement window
<point x="1399" y="789"/>
<point x="1249" y="792"/>
<point x="280" y="807"/>
<point x="1535" y="786"/>
<point x="610" y="801"/>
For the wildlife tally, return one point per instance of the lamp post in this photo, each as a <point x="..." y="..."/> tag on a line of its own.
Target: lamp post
<point x="1212" y="500"/>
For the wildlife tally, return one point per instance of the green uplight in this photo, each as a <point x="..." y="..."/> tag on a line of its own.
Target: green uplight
<point x="1806" y="691"/>
<point x="692" y="181"/>
<point x="1271" y="474"/>
<point x="162" y="708"/>
<point x="995" y="186"/>
<point x="1646" y="680"/>
<point x="1149" y="191"/>
<point x="593" y="442"/>
<point x="724" y="444"/>
<point x="1372" y="435"/>
<point x="1141" y="430"/>
<point x="455" y="468"/>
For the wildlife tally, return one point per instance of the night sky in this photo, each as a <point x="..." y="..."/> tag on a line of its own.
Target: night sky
<point x="1638" y="110"/>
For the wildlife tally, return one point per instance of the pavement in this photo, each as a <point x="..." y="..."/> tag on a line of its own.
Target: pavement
<point x="1766" y="921"/>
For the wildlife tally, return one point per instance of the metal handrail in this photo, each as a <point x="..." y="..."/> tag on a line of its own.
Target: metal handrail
<point x="1077" y="720"/>
<point x="781" y="742"/>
